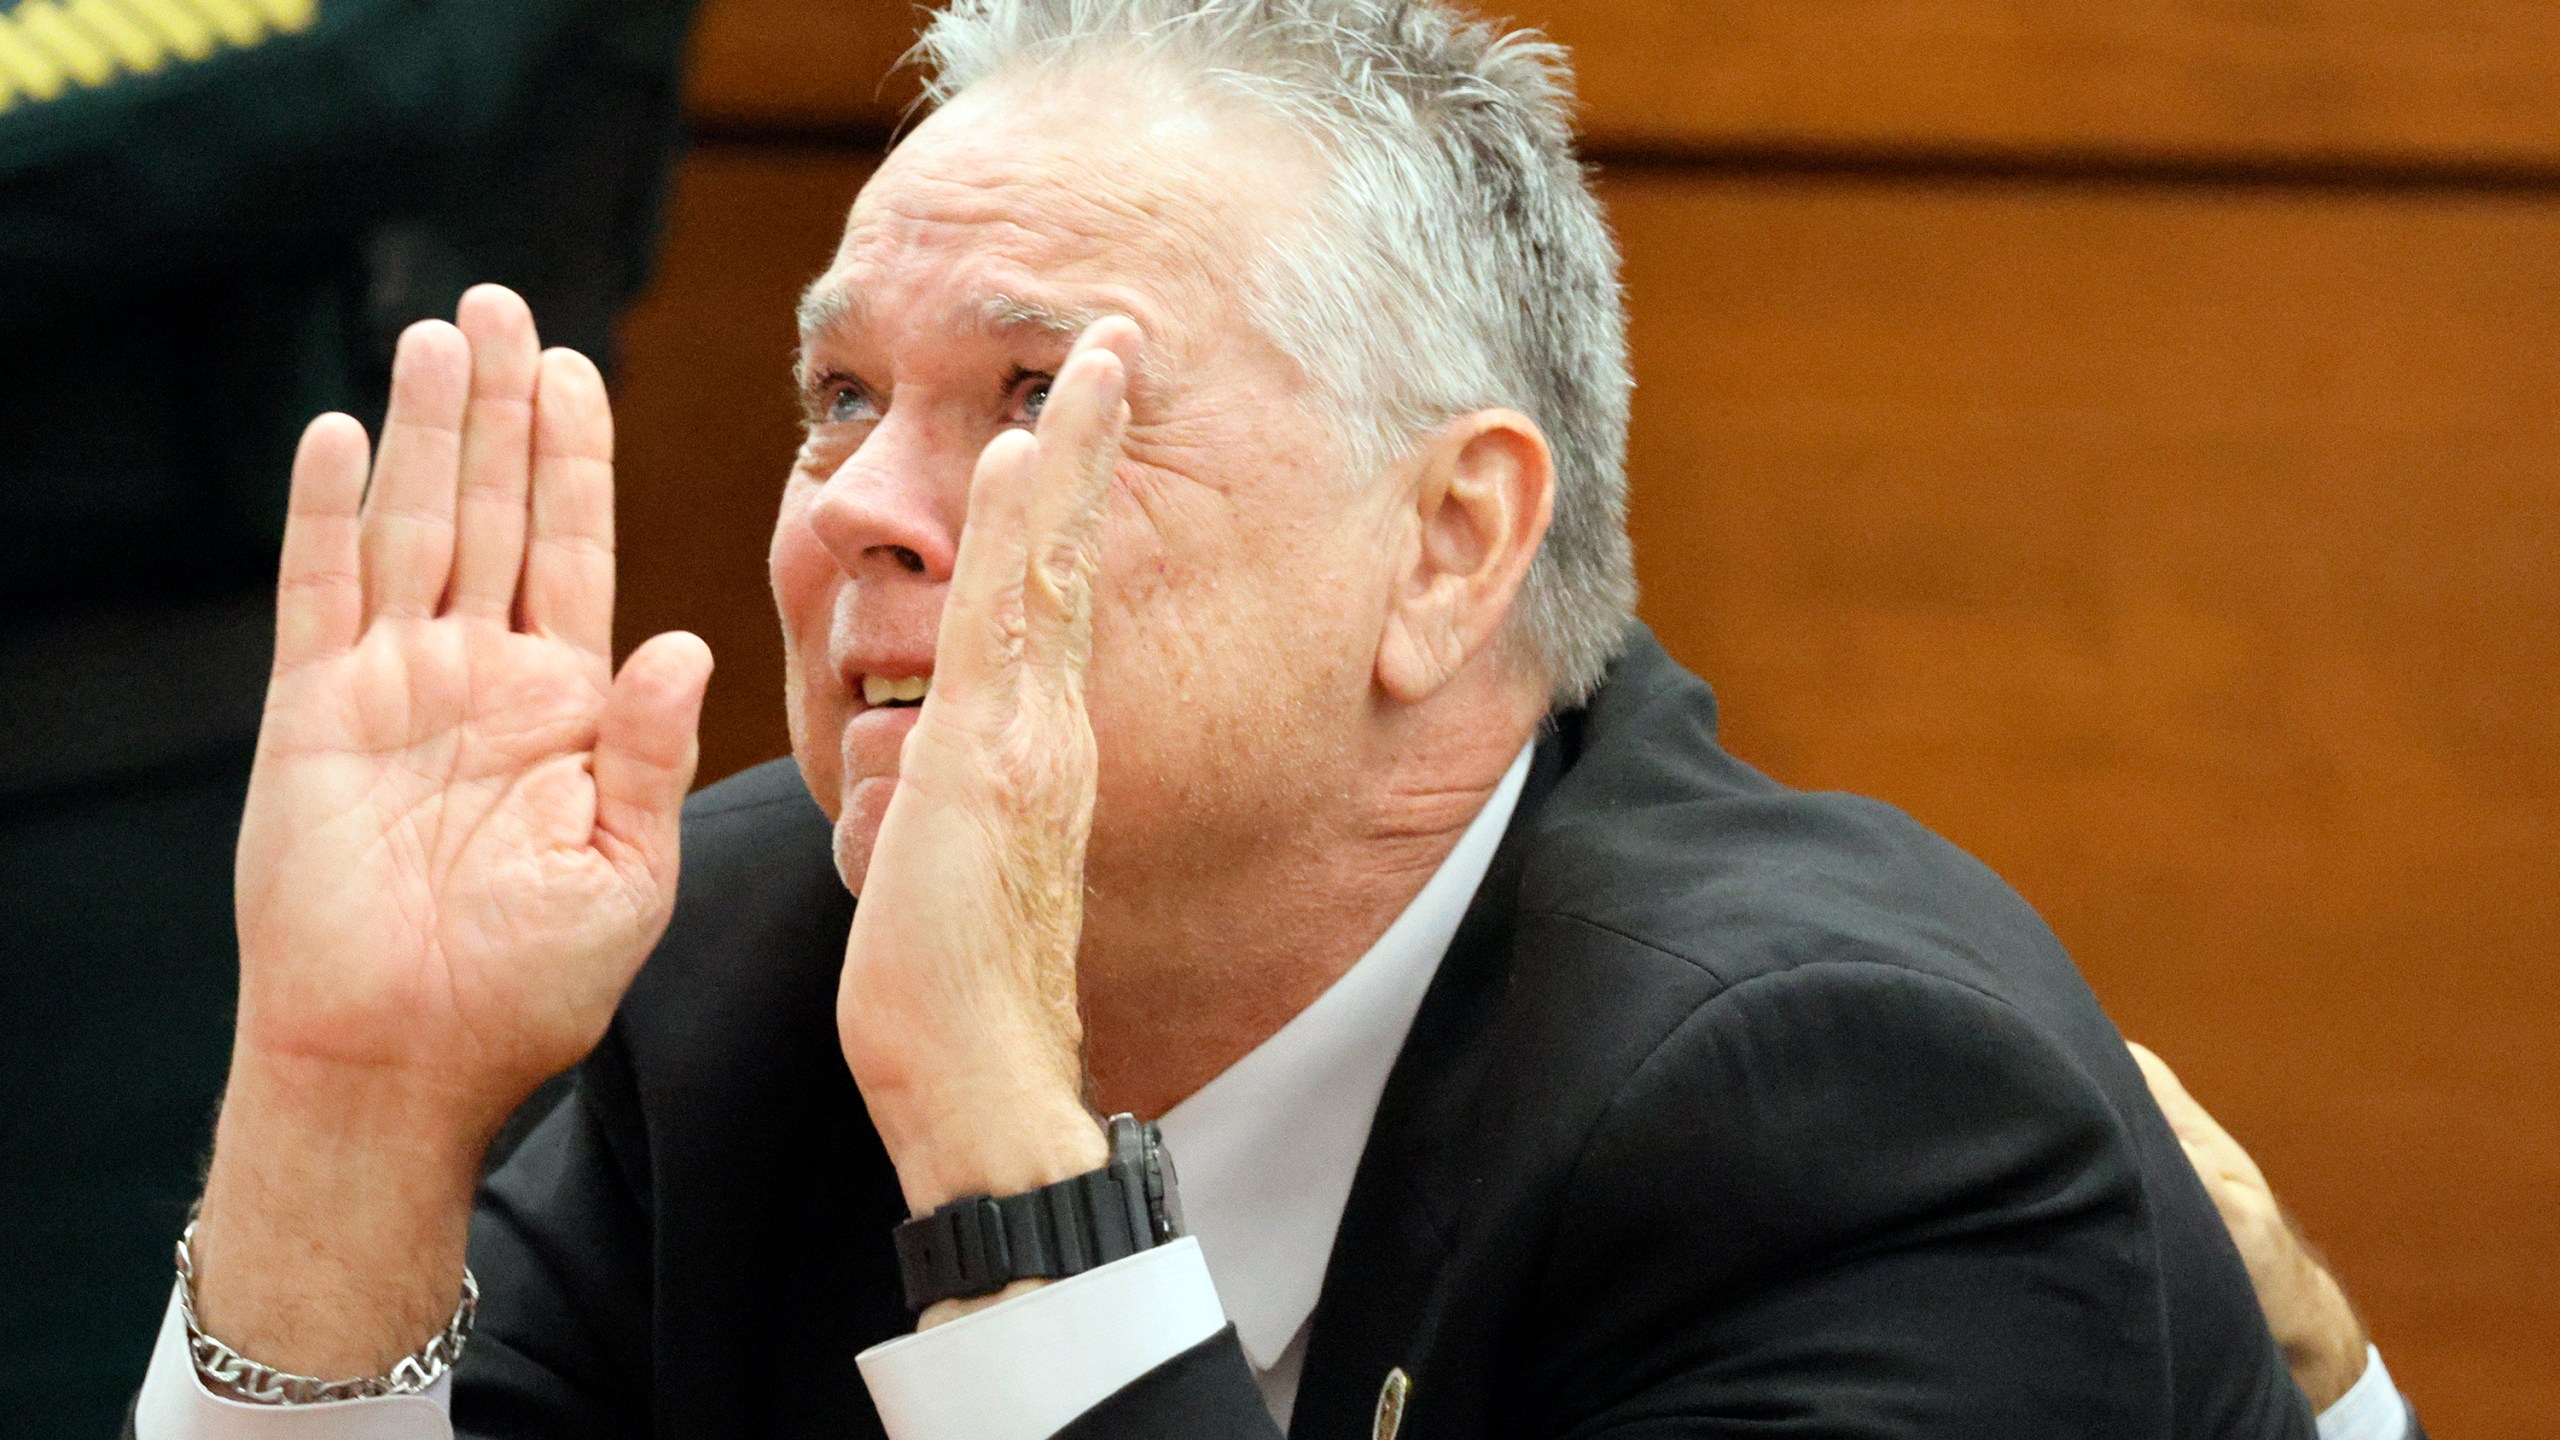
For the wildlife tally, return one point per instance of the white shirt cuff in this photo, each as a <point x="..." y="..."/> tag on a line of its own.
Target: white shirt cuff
<point x="176" y="1406"/>
<point x="2373" y="1410"/>
<point x="1025" y="1369"/>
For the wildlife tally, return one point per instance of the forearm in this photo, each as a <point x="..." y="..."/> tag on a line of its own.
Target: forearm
<point x="2324" y="1344"/>
<point x="330" y="1242"/>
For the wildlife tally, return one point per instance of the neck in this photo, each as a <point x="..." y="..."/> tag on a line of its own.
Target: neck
<point x="1183" y="976"/>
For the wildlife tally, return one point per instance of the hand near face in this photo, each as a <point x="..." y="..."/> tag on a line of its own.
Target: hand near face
<point x="460" y="837"/>
<point x="2323" y="1343"/>
<point x="958" y="1005"/>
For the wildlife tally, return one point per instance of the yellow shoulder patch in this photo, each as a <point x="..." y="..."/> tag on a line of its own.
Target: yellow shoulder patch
<point x="49" y="48"/>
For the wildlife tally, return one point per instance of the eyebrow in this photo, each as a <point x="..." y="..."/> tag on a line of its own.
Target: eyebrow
<point x="1014" y="312"/>
<point x="825" y="307"/>
<point x="1006" y="313"/>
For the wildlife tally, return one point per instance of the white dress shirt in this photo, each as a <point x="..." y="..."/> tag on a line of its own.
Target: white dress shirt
<point x="2373" y="1410"/>
<point x="1265" y="1155"/>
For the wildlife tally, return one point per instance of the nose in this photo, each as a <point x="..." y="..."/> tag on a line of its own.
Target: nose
<point x="895" y="505"/>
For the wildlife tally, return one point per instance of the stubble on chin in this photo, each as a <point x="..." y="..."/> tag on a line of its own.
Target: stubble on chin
<point x="857" y="830"/>
<point x="853" y="852"/>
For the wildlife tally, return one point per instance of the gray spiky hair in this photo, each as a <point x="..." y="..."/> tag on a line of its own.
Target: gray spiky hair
<point x="1456" y="261"/>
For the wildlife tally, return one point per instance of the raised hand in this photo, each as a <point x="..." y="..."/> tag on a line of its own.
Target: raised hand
<point x="461" y="832"/>
<point x="460" y="839"/>
<point x="958" y="1005"/>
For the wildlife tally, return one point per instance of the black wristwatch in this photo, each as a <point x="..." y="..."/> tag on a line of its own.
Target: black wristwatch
<point x="979" y="1244"/>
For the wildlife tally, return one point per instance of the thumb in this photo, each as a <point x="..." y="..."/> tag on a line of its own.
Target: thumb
<point x="646" y="748"/>
<point x="2218" y="1158"/>
<point x="2195" y="1129"/>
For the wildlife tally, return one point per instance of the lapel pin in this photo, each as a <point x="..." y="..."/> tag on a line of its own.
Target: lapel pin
<point x="1391" y="1400"/>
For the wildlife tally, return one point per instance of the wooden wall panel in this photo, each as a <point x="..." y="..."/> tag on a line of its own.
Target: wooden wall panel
<point x="2397" y="82"/>
<point x="2190" y="556"/>
<point x="2188" y="553"/>
<point x="2406" y="80"/>
<point x="822" y="64"/>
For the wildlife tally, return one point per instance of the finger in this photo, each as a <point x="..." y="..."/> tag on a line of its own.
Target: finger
<point x="320" y="580"/>
<point x="408" y="512"/>
<point x="646" y="748"/>
<point x="2209" y="1147"/>
<point x="979" y="650"/>
<point x="497" y="452"/>
<point x="568" y="566"/>
<point x="2157" y="1074"/>
<point x="2167" y="1091"/>
<point x="1081" y="429"/>
<point x="1080" y="440"/>
<point x="2169" y="1094"/>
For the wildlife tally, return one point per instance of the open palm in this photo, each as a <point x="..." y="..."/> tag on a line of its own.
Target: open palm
<point x="460" y="839"/>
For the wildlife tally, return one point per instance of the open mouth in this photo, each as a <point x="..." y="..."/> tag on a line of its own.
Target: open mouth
<point x="895" y="692"/>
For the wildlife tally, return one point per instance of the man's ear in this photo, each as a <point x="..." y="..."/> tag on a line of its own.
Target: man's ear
<point x="1481" y="493"/>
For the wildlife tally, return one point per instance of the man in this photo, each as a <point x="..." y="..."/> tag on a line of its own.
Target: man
<point x="1215" y="421"/>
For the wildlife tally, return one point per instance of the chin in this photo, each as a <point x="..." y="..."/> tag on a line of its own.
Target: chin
<point x="857" y="829"/>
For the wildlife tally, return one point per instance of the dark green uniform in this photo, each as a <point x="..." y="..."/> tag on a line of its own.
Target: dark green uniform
<point x="215" y="218"/>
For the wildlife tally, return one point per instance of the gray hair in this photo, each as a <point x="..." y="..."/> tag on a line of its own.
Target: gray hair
<point x="1457" y="261"/>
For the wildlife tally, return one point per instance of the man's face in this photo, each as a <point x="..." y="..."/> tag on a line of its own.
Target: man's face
<point x="1244" y="580"/>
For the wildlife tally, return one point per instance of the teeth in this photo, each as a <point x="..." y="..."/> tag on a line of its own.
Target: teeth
<point x="881" y="690"/>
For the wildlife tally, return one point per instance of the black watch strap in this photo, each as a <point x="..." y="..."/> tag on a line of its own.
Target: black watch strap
<point x="979" y="1244"/>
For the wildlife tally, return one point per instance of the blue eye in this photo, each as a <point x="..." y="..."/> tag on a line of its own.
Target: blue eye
<point x="847" y="404"/>
<point x="1035" y="397"/>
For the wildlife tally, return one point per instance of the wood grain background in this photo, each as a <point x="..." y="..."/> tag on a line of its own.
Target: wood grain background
<point x="2122" y="435"/>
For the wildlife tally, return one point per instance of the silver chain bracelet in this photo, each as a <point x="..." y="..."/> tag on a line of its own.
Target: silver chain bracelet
<point x="235" y="1376"/>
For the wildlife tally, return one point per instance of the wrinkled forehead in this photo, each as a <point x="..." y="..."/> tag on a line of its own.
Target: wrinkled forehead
<point x="1037" y="204"/>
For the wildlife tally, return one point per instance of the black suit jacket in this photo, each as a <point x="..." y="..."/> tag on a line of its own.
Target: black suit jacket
<point x="1733" y="1111"/>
